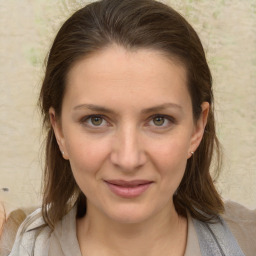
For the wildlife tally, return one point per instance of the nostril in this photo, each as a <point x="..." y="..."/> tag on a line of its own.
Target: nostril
<point x="127" y="153"/>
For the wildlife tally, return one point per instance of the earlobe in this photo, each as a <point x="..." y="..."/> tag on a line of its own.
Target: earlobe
<point x="58" y="132"/>
<point x="199" y="128"/>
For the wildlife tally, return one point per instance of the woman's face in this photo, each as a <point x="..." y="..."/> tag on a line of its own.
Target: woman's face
<point x="127" y="129"/>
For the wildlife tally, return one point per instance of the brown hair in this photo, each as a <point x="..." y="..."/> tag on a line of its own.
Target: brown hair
<point x="133" y="24"/>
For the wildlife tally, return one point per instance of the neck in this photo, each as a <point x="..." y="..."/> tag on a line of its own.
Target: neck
<point x="163" y="234"/>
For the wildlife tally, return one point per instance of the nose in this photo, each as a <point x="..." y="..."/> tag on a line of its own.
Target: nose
<point x="127" y="150"/>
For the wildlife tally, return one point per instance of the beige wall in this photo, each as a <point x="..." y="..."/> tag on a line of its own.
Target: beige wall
<point x="228" y="31"/>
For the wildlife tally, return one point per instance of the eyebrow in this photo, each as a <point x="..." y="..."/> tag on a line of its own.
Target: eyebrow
<point x="94" y="108"/>
<point x="161" y="108"/>
<point x="102" y="109"/>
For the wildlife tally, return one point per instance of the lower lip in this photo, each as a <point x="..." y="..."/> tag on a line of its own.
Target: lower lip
<point x="128" y="192"/>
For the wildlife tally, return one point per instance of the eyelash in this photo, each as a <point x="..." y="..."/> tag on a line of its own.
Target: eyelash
<point x="85" y="120"/>
<point x="170" y="119"/>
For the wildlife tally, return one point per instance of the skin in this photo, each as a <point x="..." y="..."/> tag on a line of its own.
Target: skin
<point x="129" y="142"/>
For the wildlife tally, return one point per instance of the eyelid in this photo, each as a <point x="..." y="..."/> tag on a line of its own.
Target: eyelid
<point x="86" y="118"/>
<point x="167" y="117"/>
<point x="163" y="116"/>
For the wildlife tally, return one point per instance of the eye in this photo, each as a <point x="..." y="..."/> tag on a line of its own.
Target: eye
<point x="161" y="121"/>
<point x="94" y="121"/>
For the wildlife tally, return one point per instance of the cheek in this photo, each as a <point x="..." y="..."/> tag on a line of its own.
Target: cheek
<point x="170" y="159"/>
<point x="172" y="150"/>
<point x="86" y="158"/>
<point x="86" y="155"/>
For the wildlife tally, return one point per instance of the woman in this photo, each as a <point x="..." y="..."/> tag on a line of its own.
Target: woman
<point x="128" y="107"/>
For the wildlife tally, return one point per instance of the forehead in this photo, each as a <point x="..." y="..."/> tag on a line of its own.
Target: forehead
<point x="116" y="73"/>
<point x="117" y="58"/>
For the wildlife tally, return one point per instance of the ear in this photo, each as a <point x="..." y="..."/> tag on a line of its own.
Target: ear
<point x="56" y="125"/>
<point x="199" y="128"/>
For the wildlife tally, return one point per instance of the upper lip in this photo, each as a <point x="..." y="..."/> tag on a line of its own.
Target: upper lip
<point x="131" y="183"/>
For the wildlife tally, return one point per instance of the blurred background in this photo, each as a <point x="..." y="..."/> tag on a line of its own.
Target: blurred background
<point x="227" y="29"/>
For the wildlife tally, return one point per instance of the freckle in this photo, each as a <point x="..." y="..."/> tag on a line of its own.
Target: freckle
<point x="5" y="189"/>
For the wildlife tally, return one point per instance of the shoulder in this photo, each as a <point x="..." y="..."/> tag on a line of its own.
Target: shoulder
<point x="33" y="235"/>
<point x="36" y="238"/>
<point x="242" y="223"/>
<point x="9" y="230"/>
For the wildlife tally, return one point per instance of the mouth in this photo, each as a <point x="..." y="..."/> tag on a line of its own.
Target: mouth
<point x="128" y="189"/>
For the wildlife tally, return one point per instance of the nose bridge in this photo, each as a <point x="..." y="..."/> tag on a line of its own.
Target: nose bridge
<point x="128" y="151"/>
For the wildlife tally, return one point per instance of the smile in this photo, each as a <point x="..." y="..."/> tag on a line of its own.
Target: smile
<point x="128" y="189"/>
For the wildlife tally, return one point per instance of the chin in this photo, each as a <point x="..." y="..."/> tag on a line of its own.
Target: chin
<point x="130" y="215"/>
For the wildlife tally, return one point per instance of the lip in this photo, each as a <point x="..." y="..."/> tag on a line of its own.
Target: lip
<point x="128" y="189"/>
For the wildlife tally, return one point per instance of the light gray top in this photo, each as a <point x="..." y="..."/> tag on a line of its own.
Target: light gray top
<point x="63" y="240"/>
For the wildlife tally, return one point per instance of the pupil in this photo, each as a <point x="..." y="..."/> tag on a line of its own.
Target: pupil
<point x="96" y="120"/>
<point x="159" y="121"/>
